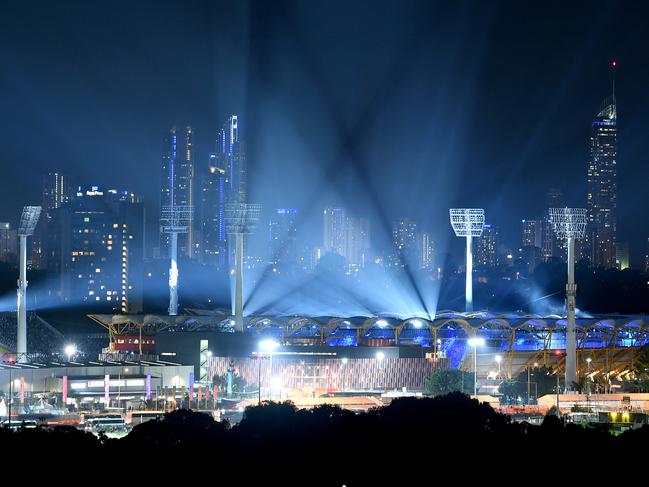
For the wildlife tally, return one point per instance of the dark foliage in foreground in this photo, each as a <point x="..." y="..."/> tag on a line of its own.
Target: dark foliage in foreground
<point x="330" y="445"/>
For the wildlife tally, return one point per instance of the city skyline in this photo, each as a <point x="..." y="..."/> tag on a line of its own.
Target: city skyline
<point x="449" y="117"/>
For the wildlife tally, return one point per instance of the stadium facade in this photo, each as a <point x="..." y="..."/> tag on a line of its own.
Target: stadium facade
<point x="332" y="350"/>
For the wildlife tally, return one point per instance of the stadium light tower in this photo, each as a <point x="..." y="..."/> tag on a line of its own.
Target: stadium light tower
<point x="241" y="219"/>
<point x="174" y="219"/>
<point x="469" y="223"/>
<point x="28" y="221"/>
<point x="570" y="224"/>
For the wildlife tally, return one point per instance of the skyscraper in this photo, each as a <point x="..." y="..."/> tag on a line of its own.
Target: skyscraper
<point x="56" y="192"/>
<point x="551" y="245"/>
<point x="102" y="249"/>
<point x="177" y="186"/>
<point x="8" y="244"/>
<point x="622" y="255"/>
<point x="357" y="241"/>
<point x="335" y="231"/>
<point x="485" y="253"/>
<point x="212" y="214"/>
<point x="427" y="251"/>
<point x="602" y="186"/>
<point x="230" y="153"/>
<point x="531" y="236"/>
<point x="282" y="235"/>
<point x="404" y="243"/>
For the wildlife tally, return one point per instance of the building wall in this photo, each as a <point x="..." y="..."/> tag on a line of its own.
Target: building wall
<point x="329" y="374"/>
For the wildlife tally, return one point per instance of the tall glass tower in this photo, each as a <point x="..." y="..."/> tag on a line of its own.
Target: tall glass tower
<point x="335" y="235"/>
<point x="231" y="157"/>
<point x="177" y="185"/>
<point x="602" y="186"/>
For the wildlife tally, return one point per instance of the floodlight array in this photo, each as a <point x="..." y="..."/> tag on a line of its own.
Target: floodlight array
<point x="568" y="222"/>
<point x="241" y="218"/>
<point x="467" y="222"/>
<point x="176" y="219"/>
<point x="28" y="220"/>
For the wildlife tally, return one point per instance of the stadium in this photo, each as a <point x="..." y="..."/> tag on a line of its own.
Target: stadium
<point x="328" y="353"/>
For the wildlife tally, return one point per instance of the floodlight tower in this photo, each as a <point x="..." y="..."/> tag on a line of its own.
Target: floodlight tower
<point x="570" y="223"/>
<point x="469" y="223"/>
<point x="28" y="221"/>
<point x="241" y="219"/>
<point x="174" y="219"/>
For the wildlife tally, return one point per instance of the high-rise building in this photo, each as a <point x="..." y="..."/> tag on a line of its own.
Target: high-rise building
<point x="8" y="244"/>
<point x="486" y="248"/>
<point x="230" y="153"/>
<point x="335" y="231"/>
<point x="427" y="252"/>
<point x="57" y="191"/>
<point x="282" y="235"/>
<point x="102" y="249"/>
<point x="178" y="186"/>
<point x="622" y="255"/>
<point x="212" y="214"/>
<point x="357" y="241"/>
<point x="554" y="199"/>
<point x="602" y="187"/>
<point x="404" y="243"/>
<point x="551" y="245"/>
<point x="646" y="258"/>
<point x="531" y="236"/>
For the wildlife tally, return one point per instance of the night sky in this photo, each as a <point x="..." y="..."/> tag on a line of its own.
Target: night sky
<point x="388" y="108"/>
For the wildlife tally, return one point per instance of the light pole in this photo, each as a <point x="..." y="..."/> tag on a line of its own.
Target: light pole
<point x="28" y="221"/>
<point x="70" y="351"/>
<point x="475" y="342"/>
<point x="240" y="219"/>
<point x="570" y="223"/>
<point x="268" y="346"/>
<point x="174" y="219"/>
<point x="469" y="223"/>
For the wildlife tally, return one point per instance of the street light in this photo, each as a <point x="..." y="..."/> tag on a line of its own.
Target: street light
<point x="70" y="350"/>
<point x="475" y="342"/>
<point x="268" y="346"/>
<point x="529" y="384"/>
